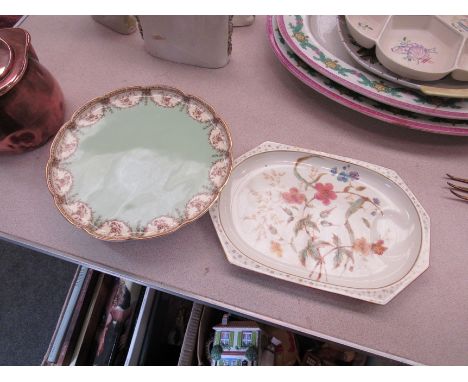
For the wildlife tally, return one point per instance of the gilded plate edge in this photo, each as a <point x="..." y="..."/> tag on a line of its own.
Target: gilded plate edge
<point x="52" y="160"/>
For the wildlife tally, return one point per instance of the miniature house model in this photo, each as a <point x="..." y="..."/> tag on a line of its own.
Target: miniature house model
<point x="236" y="343"/>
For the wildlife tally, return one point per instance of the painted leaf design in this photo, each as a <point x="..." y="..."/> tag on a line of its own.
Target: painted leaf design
<point x="347" y="188"/>
<point x="350" y="231"/>
<point x="354" y="207"/>
<point x="312" y="250"/>
<point x="303" y="223"/>
<point x="273" y="230"/>
<point x="299" y="226"/>
<point x="336" y="240"/>
<point x="324" y="214"/>
<point x="348" y="254"/>
<point x="300" y="177"/>
<point x="325" y="223"/>
<point x="314" y="226"/>
<point x="288" y="211"/>
<point x="366" y="222"/>
<point x="360" y="188"/>
<point x="337" y="259"/>
<point x="290" y="219"/>
<point x="303" y="256"/>
<point x="317" y="178"/>
<point x="341" y="253"/>
<point x="349" y="259"/>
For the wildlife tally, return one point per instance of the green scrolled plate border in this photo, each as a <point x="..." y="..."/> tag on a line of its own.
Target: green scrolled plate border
<point x="59" y="181"/>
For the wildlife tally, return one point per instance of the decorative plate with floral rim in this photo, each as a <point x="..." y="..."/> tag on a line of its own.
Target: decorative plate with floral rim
<point x="315" y="39"/>
<point x="139" y="162"/>
<point x="324" y="221"/>
<point x="353" y="100"/>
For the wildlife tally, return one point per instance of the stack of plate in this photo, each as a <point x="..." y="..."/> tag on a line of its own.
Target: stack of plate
<point x="320" y="52"/>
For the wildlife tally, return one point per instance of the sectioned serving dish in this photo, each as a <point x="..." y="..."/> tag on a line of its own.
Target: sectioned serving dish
<point x="315" y="39"/>
<point x="353" y="100"/>
<point x="366" y="57"/>
<point x="323" y="221"/>
<point x="424" y="48"/>
<point x="139" y="162"/>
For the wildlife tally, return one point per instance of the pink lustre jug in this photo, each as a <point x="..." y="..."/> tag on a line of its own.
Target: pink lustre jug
<point x="31" y="101"/>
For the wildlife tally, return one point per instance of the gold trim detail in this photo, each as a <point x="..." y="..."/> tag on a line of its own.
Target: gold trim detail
<point x="444" y="92"/>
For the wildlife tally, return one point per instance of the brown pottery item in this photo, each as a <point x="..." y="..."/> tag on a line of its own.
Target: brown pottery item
<point x="31" y="101"/>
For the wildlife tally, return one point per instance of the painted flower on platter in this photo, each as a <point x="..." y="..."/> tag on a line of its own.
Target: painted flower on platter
<point x="198" y="113"/>
<point x="325" y="193"/>
<point x="114" y="229"/>
<point x="197" y="204"/>
<point x="293" y="196"/>
<point x="365" y="248"/>
<point x="276" y="248"/>
<point x="332" y="64"/>
<point x="362" y="246"/>
<point x="300" y="36"/>
<point x="160" y="225"/>
<point x="379" y="86"/>
<point x="125" y="100"/>
<point x="79" y="212"/>
<point x="67" y="145"/>
<point x="219" y="172"/>
<point x="165" y="99"/>
<point x="61" y="181"/>
<point x="414" y="52"/>
<point x="344" y="175"/>
<point x="218" y="140"/>
<point x="325" y="219"/>
<point x="378" y="247"/>
<point x="92" y="116"/>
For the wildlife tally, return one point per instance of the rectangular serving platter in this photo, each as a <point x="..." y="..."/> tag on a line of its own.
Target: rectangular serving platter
<point x="323" y="221"/>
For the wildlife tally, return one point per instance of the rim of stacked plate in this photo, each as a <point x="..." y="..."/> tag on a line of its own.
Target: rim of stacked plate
<point x="301" y="40"/>
<point x="353" y="100"/>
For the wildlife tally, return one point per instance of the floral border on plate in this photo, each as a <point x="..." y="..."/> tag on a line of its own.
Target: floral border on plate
<point x="302" y="42"/>
<point x="356" y="101"/>
<point x="81" y="215"/>
<point x="375" y="295"/>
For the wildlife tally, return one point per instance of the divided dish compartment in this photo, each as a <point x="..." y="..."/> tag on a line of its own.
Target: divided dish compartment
<point x="425" y="48"/>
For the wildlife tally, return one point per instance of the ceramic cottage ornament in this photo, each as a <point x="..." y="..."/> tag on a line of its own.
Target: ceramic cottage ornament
<point x="236" y="343"/>
<point x="195" y="40"/>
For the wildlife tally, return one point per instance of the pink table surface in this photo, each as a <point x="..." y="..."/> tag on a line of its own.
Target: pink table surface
<point x="426" y="323"/>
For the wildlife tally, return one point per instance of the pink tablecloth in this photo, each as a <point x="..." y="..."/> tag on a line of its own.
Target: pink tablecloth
<point x="426" y="323"/>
